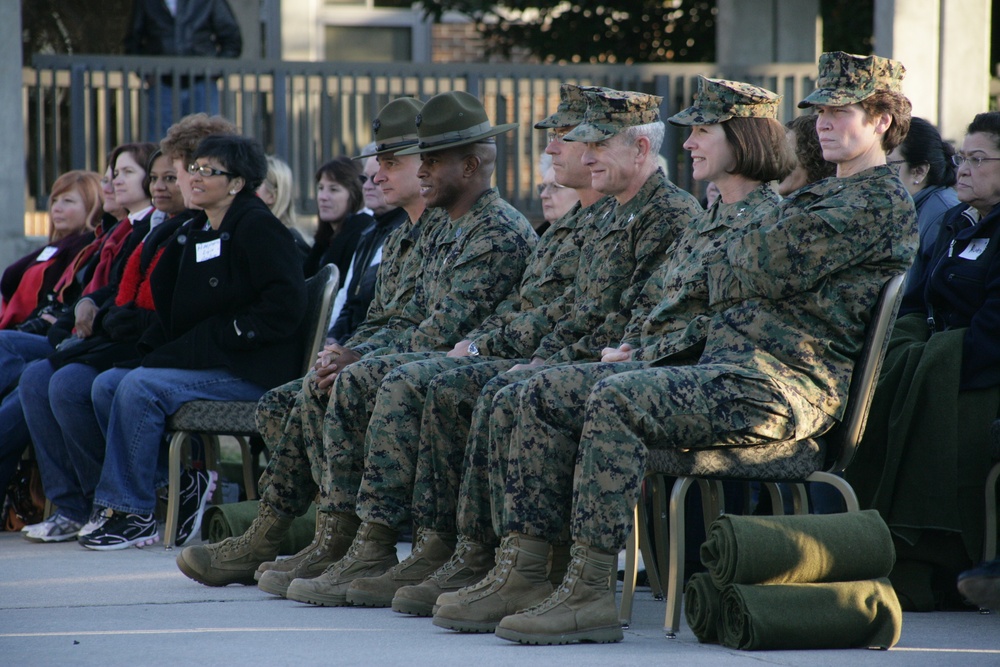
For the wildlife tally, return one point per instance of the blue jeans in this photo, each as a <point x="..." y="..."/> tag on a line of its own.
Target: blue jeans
<point x="132" y="407"/>
<point x="14" y="438"/>
<point x="69" y="444"/>
<point x="198" y="96"/>
<point x="16" y="350"/>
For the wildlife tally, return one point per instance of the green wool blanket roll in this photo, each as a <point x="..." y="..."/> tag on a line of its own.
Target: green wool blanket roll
<point x="814" y="548"/>
<point x="702" y="607"/>
<point x="853" y="614"/>
<point x="230" y="519"/>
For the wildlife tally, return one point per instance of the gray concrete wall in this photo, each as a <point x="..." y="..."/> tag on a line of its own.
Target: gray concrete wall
<point x="753" y="32"/>
<point x="934" y="37"/>
<point x="12" y="146"/>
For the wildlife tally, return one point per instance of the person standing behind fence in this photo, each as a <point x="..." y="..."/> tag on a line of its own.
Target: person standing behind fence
<point x="200" y="28"/>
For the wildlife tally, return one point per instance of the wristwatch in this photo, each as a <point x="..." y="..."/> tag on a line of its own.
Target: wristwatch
<point x="473" y="350"/>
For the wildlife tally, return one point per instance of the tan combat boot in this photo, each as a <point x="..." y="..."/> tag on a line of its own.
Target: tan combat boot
<point x="289" y="563"/>
<point x="559" y="560"/>
<point x="234" y="560"/>
<point x="516" y="582"/>
<point x="338" y="531"/>
<point x="582" y="608"/>
<point x="372" y="553"/>
<point x="431" y="550"/>
<point x="467" y="566"/>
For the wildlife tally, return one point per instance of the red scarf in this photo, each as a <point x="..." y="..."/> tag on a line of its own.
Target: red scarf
<point x="134" y="285"/>
<point x="110" y="249"/>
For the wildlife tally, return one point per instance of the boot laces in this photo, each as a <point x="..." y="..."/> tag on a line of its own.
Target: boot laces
<point x="454" y="563"/>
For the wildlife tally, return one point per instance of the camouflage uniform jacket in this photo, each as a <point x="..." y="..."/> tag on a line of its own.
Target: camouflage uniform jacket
<point x="801" y="287"/>
<point x="402" y="258"/>
<point x="670" y="317"/>
<point x="471" y="265"/>
<point x="514" y="330"/>
<point x="630" y="248"/>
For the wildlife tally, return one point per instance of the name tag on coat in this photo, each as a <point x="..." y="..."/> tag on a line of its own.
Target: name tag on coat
<point x="208" y="250"/>
<point x="975" y="248"/>
<point x="46" y="254"/>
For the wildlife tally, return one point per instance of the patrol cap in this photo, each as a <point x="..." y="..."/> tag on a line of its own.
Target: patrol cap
<point x="611" y="111"/>
<point x="845" y="78"/>
<point x="718" y="100"/>
<point x="571" y="109"/>
<point x="395" y="126"/>
<point x="453" y="119"/>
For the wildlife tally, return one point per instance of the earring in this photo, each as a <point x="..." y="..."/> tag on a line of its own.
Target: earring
<point x="916" y="181"/>
<point x="233" y="192"/>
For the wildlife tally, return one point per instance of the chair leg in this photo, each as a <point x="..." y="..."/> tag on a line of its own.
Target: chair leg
<point x="675" y="574"/>
<point x="656" y="550"/>
<point x="839" y="483"/>
<point x="249" y="481"/>
<point x="177" y="441"/>
<point x="990" y="536"/>
<point x="631" y="568"/>
<point x="800" y="498"/>
<point x="777" y="502"/>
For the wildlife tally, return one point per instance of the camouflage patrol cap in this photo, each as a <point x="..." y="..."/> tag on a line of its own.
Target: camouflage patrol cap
<point x="395" y="126"/>
<point x="845" y="79"/>
<point x="611" y="111"/>
<point x="452" y="119"/>
<point x="572" y="107"/>
<point x="719" y="100"/>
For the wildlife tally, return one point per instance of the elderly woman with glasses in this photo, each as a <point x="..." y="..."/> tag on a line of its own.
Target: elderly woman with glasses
<point x="230" y="299"/>
<point x="926" y="452"/>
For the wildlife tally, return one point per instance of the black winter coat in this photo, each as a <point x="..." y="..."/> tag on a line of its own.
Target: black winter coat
<point x="241" y="307"/>
<point x="201" y="28"/>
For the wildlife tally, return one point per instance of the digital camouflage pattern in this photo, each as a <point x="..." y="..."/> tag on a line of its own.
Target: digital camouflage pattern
<point x="393" y="438"/>
<point x="403" y="256"/>
<point x="611" y="111"/>
<point x="472" y="265"/>
<point x="845" y="78"/>
<point x="630" y="249"/>
<point x="797" y="293"/>
<point x="718" y="100"/>
<point x="572" y="107"/>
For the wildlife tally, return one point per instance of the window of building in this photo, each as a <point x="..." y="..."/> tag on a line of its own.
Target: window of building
<point x="364" y="44"/>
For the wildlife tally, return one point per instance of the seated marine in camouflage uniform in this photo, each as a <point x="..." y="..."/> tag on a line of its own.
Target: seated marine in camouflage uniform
<point x="619" y="257"/>
<point x="735" y="142"/>
<point x="288" y="485"/>
<point x="794" y="294"/>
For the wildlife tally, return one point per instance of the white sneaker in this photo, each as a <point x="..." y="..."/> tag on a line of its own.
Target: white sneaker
<point x="31" y="526"/>
<point x="57" y="528"/>
<point x="98" y="517"/>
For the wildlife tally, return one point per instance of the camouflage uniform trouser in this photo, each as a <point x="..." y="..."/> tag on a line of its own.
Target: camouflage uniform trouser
<point x="448" y="399"/>
<point x="459" y="393"/>
<point x="396" y="478"/>
<point x="295" y="465"/>
<point x="584" y="458"/>
<point x="347" y="414"/>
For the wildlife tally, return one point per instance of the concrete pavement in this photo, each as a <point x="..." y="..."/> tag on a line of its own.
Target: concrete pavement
<point x="61" y="604"/>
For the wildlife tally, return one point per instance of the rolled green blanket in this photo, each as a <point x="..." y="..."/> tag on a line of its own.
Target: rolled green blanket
<point x="854" y="614"/>
<point x="702" y="607"/>
<point x="814" y="548"/>
<point x="229" y="519"/>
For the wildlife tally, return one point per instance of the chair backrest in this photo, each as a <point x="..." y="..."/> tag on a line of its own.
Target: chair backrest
<point x="842" y="441"/>
<point x="320" y="291"/>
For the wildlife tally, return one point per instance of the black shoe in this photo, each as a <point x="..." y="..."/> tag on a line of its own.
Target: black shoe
<point x="121" y="531"/>
<point x="196" y="492"/>
<point x="981" y="584"/>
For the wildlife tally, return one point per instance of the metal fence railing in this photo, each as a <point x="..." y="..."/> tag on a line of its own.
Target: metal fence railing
<point x="77" y="108"/>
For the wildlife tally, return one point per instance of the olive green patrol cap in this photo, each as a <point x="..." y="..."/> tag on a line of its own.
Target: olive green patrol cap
<point x="395" y="126"/>
<point x="718" y="100"/>
<point x="611" y="111"/>
<point x="571" y="109"/>
<point x="845" y="78"/>
<point x="453" y="119"/>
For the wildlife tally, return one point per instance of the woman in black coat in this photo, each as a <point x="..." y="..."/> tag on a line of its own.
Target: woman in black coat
<point x="339" y="227"/>
<point x="229" y="298"/>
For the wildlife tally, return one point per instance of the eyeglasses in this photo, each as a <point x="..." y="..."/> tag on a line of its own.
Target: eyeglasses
<point x="959" y="160"/>
<point x="205" y="171"/>
<point x="542" y="187"/>
<point x="552" y="135"/>
<point x="893" y="163"/>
